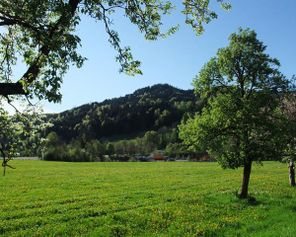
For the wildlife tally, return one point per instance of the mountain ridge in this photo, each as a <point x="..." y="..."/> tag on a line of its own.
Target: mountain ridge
<point x="148" y="108"/>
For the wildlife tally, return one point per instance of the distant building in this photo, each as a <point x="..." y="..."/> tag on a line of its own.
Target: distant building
<point x="158" y="156"/>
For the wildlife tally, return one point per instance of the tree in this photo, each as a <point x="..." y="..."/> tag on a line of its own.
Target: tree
<point x="20" y="134"/>
<point x="289" y="131"/>
<point x="110" y="149"/>
<point x="151" y="141"/>
<point x="240" y="123"/>
<point x="34" y="126"/>
<point x="175" y="150"/>
<point x="9" y="132"/>
<point x="41" y="33"/>
<point x="52" y="148"/>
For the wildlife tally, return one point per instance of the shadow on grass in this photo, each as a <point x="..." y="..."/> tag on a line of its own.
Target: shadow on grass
<point x="250" y="200"/>
<point x="292" y="208"/>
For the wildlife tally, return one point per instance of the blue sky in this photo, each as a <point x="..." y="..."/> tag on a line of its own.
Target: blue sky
<point x="177" y="59"/>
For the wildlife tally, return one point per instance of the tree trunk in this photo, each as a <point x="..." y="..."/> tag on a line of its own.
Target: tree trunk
<point x="4" y="170"/>
<point x="292" y="173"/>
<point x="3" y="162"/>
<point x="4" y="165"/>
<point x="246" y="179"/>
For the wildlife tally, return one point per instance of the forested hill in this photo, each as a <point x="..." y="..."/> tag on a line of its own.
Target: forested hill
<point x="149" y="108"/>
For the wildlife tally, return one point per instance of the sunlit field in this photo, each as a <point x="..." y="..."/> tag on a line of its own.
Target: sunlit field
<point x="144" y="199"/>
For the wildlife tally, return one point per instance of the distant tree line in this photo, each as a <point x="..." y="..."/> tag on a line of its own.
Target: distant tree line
<point x="136" y="124"/>
<point x="165" y="139"/>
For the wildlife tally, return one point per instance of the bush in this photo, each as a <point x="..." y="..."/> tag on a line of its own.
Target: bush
<point x="72" y="152"/>
<point x="54" y="154"/>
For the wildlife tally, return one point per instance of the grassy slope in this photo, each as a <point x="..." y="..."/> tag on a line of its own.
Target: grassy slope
<point x="143" y="199"/>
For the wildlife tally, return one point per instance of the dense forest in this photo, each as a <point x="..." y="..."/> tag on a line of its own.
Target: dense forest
<point x="149" y="108"/>
<point x="120" y="128"/>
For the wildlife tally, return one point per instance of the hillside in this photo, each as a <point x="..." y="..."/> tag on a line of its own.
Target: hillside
<point x="149" y="108"/>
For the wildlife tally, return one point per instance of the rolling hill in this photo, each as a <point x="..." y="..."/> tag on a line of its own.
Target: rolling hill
<point x="149" y="108"/>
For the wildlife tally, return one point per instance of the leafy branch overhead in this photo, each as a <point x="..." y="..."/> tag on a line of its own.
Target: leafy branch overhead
<point x="41" y="33"/>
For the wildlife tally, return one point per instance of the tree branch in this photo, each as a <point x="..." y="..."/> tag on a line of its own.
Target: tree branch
<point x="34" y="69"/>
<point x="11" y="89"/>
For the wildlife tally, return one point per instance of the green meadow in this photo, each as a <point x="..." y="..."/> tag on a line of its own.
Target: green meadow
<point x="42" y="198"/>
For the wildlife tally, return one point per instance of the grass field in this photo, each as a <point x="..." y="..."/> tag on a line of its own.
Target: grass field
<point x="144" y="199"/>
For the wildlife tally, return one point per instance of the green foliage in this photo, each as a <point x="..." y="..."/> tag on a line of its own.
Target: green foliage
<point x="146" y="109"/>
<point x="42" y="34"/>
<point x="241" y="121"/>
<point x="198" y="12"/>
<point x="151" y="140"/>
<point x="18" y="134"/>
<point x="9" y="138"/>
<point x="176" y="150"/>
<point x="289" y="132"/>
<point x="143" y="199"/>
<point x="119" y="129"/>
<point x="289" y="126"/>
<point x="53" y="149"/>
<point x="34" y="130"/>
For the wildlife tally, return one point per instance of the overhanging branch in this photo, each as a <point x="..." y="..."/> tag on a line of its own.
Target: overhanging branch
<point x="34" y="69"/>
<point x="11" y="89"/>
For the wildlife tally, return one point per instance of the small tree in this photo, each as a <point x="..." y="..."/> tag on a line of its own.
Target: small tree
<point x="151" y="141"/>
<point x="20" y="133"/>
<point x="240" y="121"/>
<point x="289" y="131"/>
<point x="9" y="138"/>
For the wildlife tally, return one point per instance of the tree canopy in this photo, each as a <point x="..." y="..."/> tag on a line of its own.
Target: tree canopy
<point x="241" y="121"/>
<point x="9" y="132"/>
<point x="18" y="132"/>
<point x="41" y="34"/>
<point x="289" y="132"/>
<point x="149" y="108"/>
